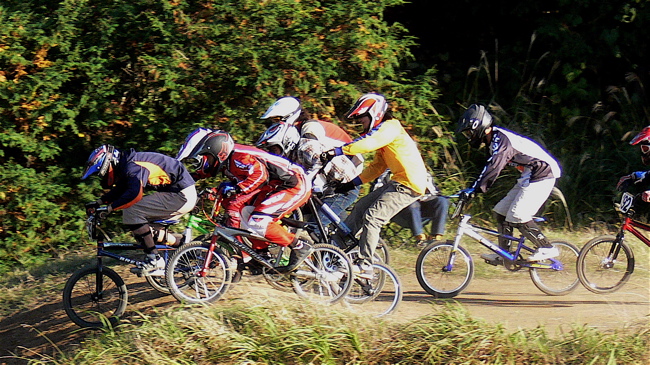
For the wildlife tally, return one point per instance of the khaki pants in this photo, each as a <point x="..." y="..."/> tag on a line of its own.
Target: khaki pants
<point x="375" y="210"/>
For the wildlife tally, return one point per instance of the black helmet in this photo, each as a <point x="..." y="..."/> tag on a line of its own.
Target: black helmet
<point x="473" y="124"/>
<point x="208" y="155"/>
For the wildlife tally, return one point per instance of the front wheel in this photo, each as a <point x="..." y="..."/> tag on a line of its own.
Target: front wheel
<point x="186" y="281"/>
<point x="325" y="276"/>
<point x="380" y="295"/>
<point x="557" y="276"/>
<point x="442" y="271"/>
<point x="605" y="265"/>
<point x="94" y="297"/>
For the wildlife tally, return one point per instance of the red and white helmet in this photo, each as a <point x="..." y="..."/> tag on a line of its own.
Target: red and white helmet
<point x="643" y="140"/>
<point x="372" y="104"/>
<point x="284" y="110"/>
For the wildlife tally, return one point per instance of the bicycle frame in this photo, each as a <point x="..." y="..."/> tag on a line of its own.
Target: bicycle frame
<point x="474" y="232"/>
<point x="631" y="226"/>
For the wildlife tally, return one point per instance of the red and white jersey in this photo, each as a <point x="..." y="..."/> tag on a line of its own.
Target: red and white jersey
<point x="252" y="168"/>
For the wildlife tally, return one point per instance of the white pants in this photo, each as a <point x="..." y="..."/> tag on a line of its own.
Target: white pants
<point x="524" y="199"/>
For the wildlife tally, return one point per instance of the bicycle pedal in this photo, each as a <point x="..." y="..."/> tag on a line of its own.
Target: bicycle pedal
<point x="137" y="271"/>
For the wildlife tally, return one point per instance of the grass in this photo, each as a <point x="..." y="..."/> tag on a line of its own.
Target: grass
<point x="270" y="331"/>
<point x="263" y="330"/>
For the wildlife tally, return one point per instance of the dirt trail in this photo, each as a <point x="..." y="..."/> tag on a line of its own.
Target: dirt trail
<point x="511" y="300"/>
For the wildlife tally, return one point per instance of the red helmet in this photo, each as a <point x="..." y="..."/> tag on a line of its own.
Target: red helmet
<point x="643" y="140"/>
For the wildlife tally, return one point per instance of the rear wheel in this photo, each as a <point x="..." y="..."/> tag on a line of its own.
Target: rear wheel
<point x="443" y="272"/>
<point x="93" y="298"/>
<point x="325" y="276"/>
<point x="605" y="264"/>
<point x="184" y="278"/>
<point x="559" y="276"/>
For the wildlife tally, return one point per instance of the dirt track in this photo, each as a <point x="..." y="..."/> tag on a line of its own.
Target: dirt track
<point x="511" y="300"/>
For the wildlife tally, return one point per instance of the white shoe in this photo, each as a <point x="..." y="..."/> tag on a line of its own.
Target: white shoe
<point x="362" y="269"/>
<point x="544" y="253"/>
<point x="153" y="267"/>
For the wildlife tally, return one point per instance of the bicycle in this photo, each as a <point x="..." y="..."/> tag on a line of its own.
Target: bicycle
<point x="445" y="269"/>
<point x="606" y="262"/>
<point x="95" y="294"/>
<point x="202" y="272"/>
<point x="384" y="287"/>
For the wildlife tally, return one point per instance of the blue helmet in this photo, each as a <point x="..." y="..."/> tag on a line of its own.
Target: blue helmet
<point x="102" y="161"/>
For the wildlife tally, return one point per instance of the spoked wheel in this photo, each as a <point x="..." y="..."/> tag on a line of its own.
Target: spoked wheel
<point x="382" y="251"/>
<point x="158" y="282"/>
<point x="92" y="308"/>
<point x="325" y="276"/>
<point x="559" y="276"/>
<point x="443" y="272"/>
<point x="184" y="277"/>
<point x="380" y="295"/>
<point x="278" y="281"/>
<point x="605" y="265"/>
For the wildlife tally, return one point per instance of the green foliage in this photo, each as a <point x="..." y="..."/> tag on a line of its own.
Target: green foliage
<point x="143" y="74"/>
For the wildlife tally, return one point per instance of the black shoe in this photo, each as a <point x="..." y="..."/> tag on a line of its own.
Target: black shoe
<point x="300" y="250"/>
<point x="492" y="259"/>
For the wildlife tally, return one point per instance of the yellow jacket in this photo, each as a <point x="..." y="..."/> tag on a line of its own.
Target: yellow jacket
<point x="396" y="151"/>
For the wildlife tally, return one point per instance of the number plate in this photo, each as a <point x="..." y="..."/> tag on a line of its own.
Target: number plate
<point x="626" y="202"/>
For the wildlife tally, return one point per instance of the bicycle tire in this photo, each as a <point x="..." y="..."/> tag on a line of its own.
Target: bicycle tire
<point x="325" y="276"/>
<point x="184" y="283"/>
<point x="600" y="274"/>
<point x="159" y="282"/>
<point x="381" y="251"/>
<point x="382" y="293"/>
<point x="431" y="272"/>
<point x="85" y="306"/>
<point x="558" y="282"/>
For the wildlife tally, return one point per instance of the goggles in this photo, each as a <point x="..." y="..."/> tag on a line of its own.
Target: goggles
<point x="645" y="148"/>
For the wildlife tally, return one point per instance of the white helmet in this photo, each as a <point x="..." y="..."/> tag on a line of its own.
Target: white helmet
<point x="374" y="105"/>
<point x="284" y="135"/>
<point x="287" y="109"/>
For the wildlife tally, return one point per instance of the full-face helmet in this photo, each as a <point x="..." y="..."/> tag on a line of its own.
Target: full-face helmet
<point x="207" y="157"/>
<point x="193" y="139"/>
<point x="284" y="110"/>
<point x="103" y="161"/>
<point x="643" y="140"/>
<point x="371" y="104"/>
<point x="473" y="124"/>
<point x="283" y="135"/>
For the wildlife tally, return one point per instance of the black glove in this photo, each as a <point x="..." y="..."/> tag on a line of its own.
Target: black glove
<point x="344" y="188"/>
<point x="91" y="207"/>
<point x="466" y="194"/>
<point x="327" y="156"/>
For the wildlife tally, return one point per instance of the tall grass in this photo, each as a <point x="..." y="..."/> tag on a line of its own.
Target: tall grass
<point x="275" y="332"/>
